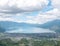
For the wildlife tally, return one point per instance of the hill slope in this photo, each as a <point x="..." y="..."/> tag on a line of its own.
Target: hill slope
<point x="52" y="25"/>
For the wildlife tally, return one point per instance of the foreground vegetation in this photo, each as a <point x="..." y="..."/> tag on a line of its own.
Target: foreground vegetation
<point x="29" y="42"/>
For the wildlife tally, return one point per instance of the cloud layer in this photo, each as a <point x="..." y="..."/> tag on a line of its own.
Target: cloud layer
<point x="17" y="6"/>
<point x="22" y="10"/>
<point x="32" y="30"/>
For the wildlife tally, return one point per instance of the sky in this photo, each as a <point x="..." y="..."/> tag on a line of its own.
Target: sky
<point x="29" y="11"/>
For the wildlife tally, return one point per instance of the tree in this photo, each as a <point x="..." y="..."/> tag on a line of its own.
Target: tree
<point x="24" y="42"/>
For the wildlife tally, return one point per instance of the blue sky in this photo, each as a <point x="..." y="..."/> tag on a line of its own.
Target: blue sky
<point x="29" y="11"/>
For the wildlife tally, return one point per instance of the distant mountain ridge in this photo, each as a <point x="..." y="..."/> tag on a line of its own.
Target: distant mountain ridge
<point x="52" y="25"/>
<point x="9" y="25"/>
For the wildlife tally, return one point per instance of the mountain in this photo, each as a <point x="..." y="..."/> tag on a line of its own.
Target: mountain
<point x="9" y="25"/>
<point x="2" y="29"/>
<point x="52" y="25"/>
<point x="26" y="27"/>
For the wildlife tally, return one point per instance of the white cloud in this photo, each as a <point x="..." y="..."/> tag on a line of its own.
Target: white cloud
<point x="6" y="19"/>
<point x="41" y="30"/>
<point x="10" y="10"/>
<point x="16" y="6"/>
<point x="56" y="3"/>
<point x="40" y="19"/>
<point x="44" y="17"/>
<point x="55" y="12"/>
<point x="11" y="17"/>
<point x="35" y="19"/>
<point x="31" y="30"/>
<point x="15" y="31"/>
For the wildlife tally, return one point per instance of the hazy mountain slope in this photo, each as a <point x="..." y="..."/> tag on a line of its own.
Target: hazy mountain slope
<point x="52" y="25"/>
<point x="2" y="29"/>
<point x="9" y="25"/>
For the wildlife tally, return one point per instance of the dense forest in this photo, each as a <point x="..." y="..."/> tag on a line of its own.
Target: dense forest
<point x="29" y="42"/>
